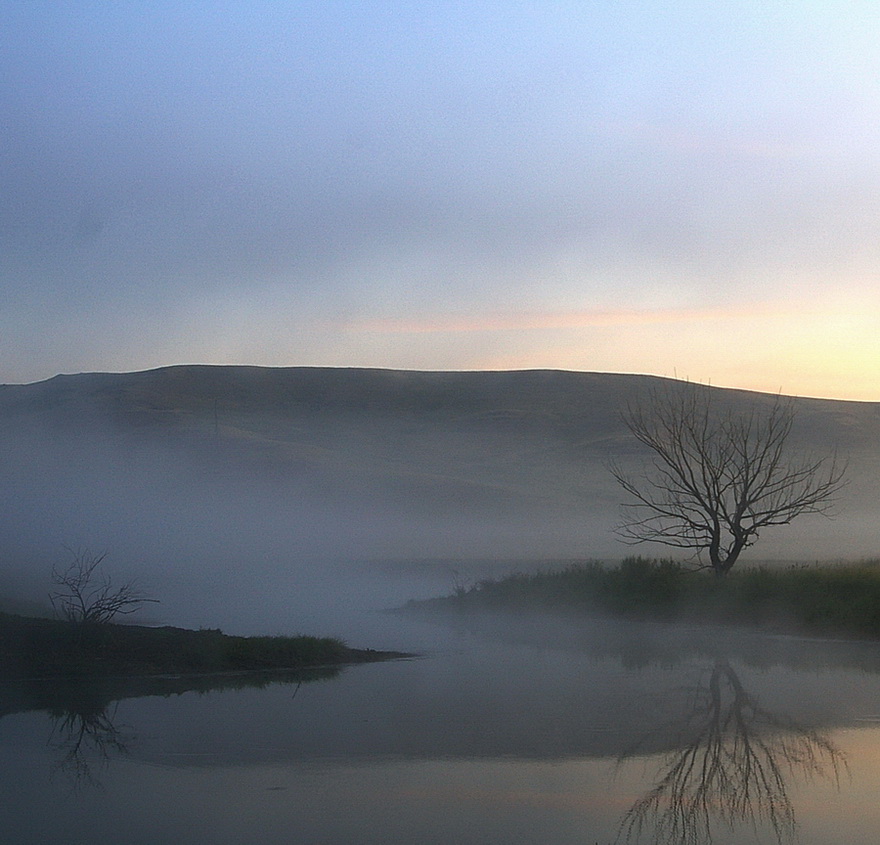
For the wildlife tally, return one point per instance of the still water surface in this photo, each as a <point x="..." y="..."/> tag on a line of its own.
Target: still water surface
<point x="504" y="731"/>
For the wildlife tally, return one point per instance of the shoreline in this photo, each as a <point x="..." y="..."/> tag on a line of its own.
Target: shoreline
<point x="34" y="649"/>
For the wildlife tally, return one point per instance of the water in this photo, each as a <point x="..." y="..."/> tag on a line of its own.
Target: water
<point x="505" y="731"/>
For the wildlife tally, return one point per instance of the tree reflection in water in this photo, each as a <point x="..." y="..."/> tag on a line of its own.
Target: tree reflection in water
<point x="84" y="730"/>
<point x="86" y="740"/>
<point x="730" y="765"/>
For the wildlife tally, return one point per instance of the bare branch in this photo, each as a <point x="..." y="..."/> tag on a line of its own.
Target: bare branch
<point x="85" y="598"/>
<point x="718" y="477"/>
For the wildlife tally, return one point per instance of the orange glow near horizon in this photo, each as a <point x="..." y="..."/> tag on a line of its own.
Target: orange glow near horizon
<point x="828" y="350"/>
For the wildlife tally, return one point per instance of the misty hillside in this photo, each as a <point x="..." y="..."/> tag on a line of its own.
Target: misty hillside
<point x="260" y="464"/>
<point x="429" y="427"/>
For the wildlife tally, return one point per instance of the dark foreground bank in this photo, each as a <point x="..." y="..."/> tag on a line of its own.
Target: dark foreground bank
<point x="826" y="600"/>
<point x="31" y="647"/>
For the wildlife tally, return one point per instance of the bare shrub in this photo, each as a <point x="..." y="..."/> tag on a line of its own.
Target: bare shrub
<point x="86" y="596"/>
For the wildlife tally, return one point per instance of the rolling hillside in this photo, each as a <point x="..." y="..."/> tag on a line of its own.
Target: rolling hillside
<point x="365" y="463"/>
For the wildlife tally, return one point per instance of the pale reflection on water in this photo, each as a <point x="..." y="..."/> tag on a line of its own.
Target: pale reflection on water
<point x="731" y="764"/>
<point x="506" y="732"/>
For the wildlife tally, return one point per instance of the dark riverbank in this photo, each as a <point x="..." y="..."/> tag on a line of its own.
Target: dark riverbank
<point x="43" y="648"/>
<point x="823" y="600"/>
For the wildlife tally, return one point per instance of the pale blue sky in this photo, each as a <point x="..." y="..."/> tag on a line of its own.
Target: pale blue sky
<point x="674" y="188"/>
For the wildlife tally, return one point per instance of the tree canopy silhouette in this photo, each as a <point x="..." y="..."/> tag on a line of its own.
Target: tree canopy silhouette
<point x="86" y="599"/>
<point x="719" y="476"/>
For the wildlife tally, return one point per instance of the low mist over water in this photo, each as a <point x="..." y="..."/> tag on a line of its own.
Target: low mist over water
<point x="258" y="498"/>
<point x="316" y="501"/>
<point x="560" y="730"/>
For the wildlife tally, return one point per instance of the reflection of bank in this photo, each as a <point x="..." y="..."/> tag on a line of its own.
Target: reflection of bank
<point x="85" y="733"/>
<point x="731" y="766"/>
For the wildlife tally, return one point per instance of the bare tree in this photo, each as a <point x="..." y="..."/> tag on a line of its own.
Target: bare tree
<point x="719" y="477"/>
<point x="86" y="597"/>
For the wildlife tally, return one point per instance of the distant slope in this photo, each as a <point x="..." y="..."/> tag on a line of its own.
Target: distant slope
<point x="199" y="395"/>
<point x="354" y="461"/>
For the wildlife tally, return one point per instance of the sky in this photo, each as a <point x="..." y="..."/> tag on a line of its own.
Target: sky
<point x="686" y="189"/>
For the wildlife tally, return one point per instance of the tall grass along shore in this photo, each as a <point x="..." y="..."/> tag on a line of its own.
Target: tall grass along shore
<point x="828" y="599"/>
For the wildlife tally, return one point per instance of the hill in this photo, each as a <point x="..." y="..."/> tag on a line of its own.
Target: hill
<point x="249" y="464"/>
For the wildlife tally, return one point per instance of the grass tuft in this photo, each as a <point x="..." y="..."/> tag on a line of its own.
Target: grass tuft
<point x="841" y="600"/>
